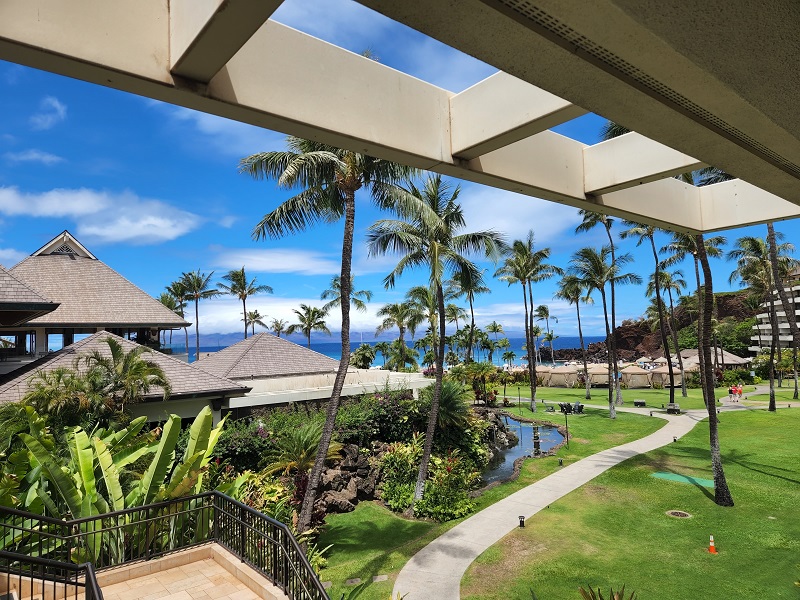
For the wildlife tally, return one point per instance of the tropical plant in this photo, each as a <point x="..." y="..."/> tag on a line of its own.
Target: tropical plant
<point x="296" y="449"/>
<point x="384" y="348"/>
<point x="238" y="285"/>
<point x="428" y="234"/>
<point x="330" y="178"/>
<point x="171" y="303"/>
<point x="310" y="318"/>
<point x="196" y="285"/>
<point x="253" y="318"/>
<point x="571" y="289"/>
<point x="403" y="316"/>
<point x="468" y="285"/>
<point x="278" y="326"/>
<point x="333" y="294"/>
<point x="453" y="313"/>
<point x="363" y="356"/>
<point x="612" y="595"/>
<point x="542" y="313"/>
<point x="671" y="282"/>
<point x="178" y="290"/>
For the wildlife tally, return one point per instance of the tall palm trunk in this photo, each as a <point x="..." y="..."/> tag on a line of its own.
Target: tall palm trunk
<point x="531" y="353"/>
<point x="437" y="392"/>
<point x="197" y="328"/>
<point x="402" y="341"/>
<point x="788" y="307"/>
<point x="722" y="495"/>
<point x="612" y="411"/>
<point x="773" y="323"/>
<point x="332" y="409"/>
<point x="661" y="324"/>
<point x="471" y="329"/>
<point x="583" y="351"/>
<point x="614" y="317"/>
<point x="700" y="322"/>
<point x="532" y="361"/>
<point x="244" y="312"/>
<point x="674" y="331"/>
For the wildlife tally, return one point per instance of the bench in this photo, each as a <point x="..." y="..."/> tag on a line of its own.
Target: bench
<point x="673" y="408"/>
<point x="551" y="409"/>
<point x="639" y="403"/>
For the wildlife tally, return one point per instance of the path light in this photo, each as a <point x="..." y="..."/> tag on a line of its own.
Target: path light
<point x="560" y="462"/>
<point x="674" y="438"/>
<point x="522" y="520"/>
<point x="651" y="413"/>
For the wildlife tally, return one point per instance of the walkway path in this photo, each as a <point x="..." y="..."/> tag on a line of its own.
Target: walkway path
<point x="437" y="569"/>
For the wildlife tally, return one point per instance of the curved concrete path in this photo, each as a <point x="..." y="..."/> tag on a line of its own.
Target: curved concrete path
<point x="437" y="569"/>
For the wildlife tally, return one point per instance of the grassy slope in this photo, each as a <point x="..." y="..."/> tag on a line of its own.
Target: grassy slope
<point x="374" y="541"/>
<point x="614" y="530"/>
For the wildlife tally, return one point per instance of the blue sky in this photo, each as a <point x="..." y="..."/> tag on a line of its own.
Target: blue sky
<point x="153" y="189"/>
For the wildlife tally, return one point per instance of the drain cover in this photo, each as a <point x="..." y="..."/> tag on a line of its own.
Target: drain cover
<point x="678" y="514"/>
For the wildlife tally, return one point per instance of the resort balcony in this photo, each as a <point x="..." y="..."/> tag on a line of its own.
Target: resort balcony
<point x="204" y="547"/>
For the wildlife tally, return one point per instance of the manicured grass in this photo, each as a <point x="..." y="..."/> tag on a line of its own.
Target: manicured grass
<point x="614" y="530"/>
<point x="374" y="541"/>
<point x="653" y="398"/>
<point x="782" y="394"/>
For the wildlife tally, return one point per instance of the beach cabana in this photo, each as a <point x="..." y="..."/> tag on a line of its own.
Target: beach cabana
<point x="661" y="376"/>
<point x="563" y="376"/>
<point x="636" y="377"/>
<point x="544" y="371"/>
<point x="597" y="374"/>
<point x="660" y="360"/>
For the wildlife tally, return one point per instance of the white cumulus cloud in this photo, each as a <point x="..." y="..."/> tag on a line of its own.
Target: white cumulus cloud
<point x="51" y="112"/>
<point x="46" y="158"/>
<point x="278" y="260"/>
<point x="9" y="257"/>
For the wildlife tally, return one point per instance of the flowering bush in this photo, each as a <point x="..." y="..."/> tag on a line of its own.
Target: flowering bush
<point x="400" y="465"/>
<point x="447" y="490"/>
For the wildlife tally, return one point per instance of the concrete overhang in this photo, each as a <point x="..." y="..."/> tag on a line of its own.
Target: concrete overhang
<point x="717" y="89"/>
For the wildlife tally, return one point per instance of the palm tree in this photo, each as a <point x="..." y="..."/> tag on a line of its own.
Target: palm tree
<point x="594" y="272"/>
<point x="172" y="303"/>
<point x="402" y="316"/>
<point x="253" y="318"/>
<point x="495" y="328"/>
<point x="358" y="298"/>
<point x="310" y="318"/>
<point x="468" y="285"/>
<point x="527" y="266"/>
<point x="424" y="306"/>
<point x="572" y="289"/>
<point x="671" y="282"/>
<point x="239" y="286"/>
<point x="646" y="233"/>
<point x="542" y="313"/>
<point x="126" y="376"/>
<point x="427" y="234"/>
<point x="296" y="449"/>
<point x="509" y="356"/>
<point x="330" y="178"/>
<point x="590" y="221"/>
<point x="178" y="290"/>
<point x="453" y="312"/>
<point x="278" y="326"/>
<point x="196" y="286"/>
<point x="384" y="348"/>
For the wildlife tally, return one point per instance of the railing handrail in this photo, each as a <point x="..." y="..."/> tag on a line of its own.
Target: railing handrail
<point x="89" y="576"/>
<point x="71" y="530"/>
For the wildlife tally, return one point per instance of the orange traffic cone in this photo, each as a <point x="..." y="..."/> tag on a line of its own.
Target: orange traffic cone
<point x="711" y="548"/>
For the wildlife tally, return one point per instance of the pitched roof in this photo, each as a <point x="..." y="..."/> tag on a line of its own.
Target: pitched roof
<point x="19" y="302"/>
<point x="90" y="293"/>
<point x="185" y="379"/>
<point x="264" y="355"/>
<point x="723" y="356"/>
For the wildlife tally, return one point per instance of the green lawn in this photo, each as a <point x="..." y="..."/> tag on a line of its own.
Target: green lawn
<point x="653" y="398"/>
<point x="614" y="530"/>
<point x="782" y="394"/>
<point x="374" y="541"/>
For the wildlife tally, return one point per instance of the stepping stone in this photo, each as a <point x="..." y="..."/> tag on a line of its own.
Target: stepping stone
<point x="327" y="584"/>
<point x="355" y="581"/>
<point x="378" y="578"/>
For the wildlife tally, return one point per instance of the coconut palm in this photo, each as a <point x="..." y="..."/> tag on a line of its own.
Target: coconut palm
<point x="646" y="234"/>
<point x="358" y="298"/>
<point x="527" y="266"/>
<point x="542" y="313"/>
<point x="428" y="234"/>
<point x="310" y="318"/>
<point x="239" y="286"/>
<point x="403" y="316"/>
<point x="197" y="288"/>
<point x="172" y="303"/>
<point x="329" y="178"/>
<point x="253" y="318"/>
<point x="177" y="289"/>
<point x="363" y="356"/>
<point x="384" y="348"/>
<point x="509" y="356"/>
<point x="468" y="285"/>
<point x="278" y="326"/>
<point x="453" y="312"/>
<point x="495" y="328"/>
<point x="594" y="272"/>
<point x="671" y="282"/>
<point x="572" y="289"/>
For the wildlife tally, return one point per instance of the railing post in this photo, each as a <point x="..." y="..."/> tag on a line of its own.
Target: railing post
<point x="243" y="535"/>
<point x="215" y="517"/>
<point x="147" y="534"/>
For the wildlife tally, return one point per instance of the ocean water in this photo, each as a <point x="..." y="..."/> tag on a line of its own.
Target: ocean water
<point x="333" y="348"/>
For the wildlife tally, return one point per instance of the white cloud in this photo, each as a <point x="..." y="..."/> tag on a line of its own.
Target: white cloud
<point x="51" y="112"/>
<point x="227" y="221"/>
<point x="105" y="217"/>
<point x="279" y="260"/>
<point x="39" y="156"/>
<point x="9" y="257"/>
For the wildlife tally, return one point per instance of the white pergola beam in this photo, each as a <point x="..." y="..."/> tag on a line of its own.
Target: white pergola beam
<point x="205" y="34"/>
<point x="631" y="160"/>
<point x="501" y="110"/>
<point x="737" y="203"/>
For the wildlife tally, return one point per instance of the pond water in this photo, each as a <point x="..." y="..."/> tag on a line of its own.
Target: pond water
<point x="502" y="466"/>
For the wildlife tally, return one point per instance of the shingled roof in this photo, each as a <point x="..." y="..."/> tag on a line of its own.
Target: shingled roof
<point x="90" y="293"/>
<point x="186" y="380"/>
<point x="19" y="302"/>
<point x="265" y="355"/>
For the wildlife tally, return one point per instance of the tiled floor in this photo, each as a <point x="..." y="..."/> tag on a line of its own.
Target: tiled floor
<point x="199" y="580"/>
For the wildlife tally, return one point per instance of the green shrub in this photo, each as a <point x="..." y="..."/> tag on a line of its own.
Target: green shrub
<point x="243" y="443"/>
<point x="446" y="491"/>
<point x="399" y="467"/>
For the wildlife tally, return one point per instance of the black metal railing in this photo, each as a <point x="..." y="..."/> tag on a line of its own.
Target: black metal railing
<point x="150" y="531"/>
<point x="27" y="577"/>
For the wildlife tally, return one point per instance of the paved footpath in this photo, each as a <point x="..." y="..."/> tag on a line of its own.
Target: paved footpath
<point x="437" y="569"/>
